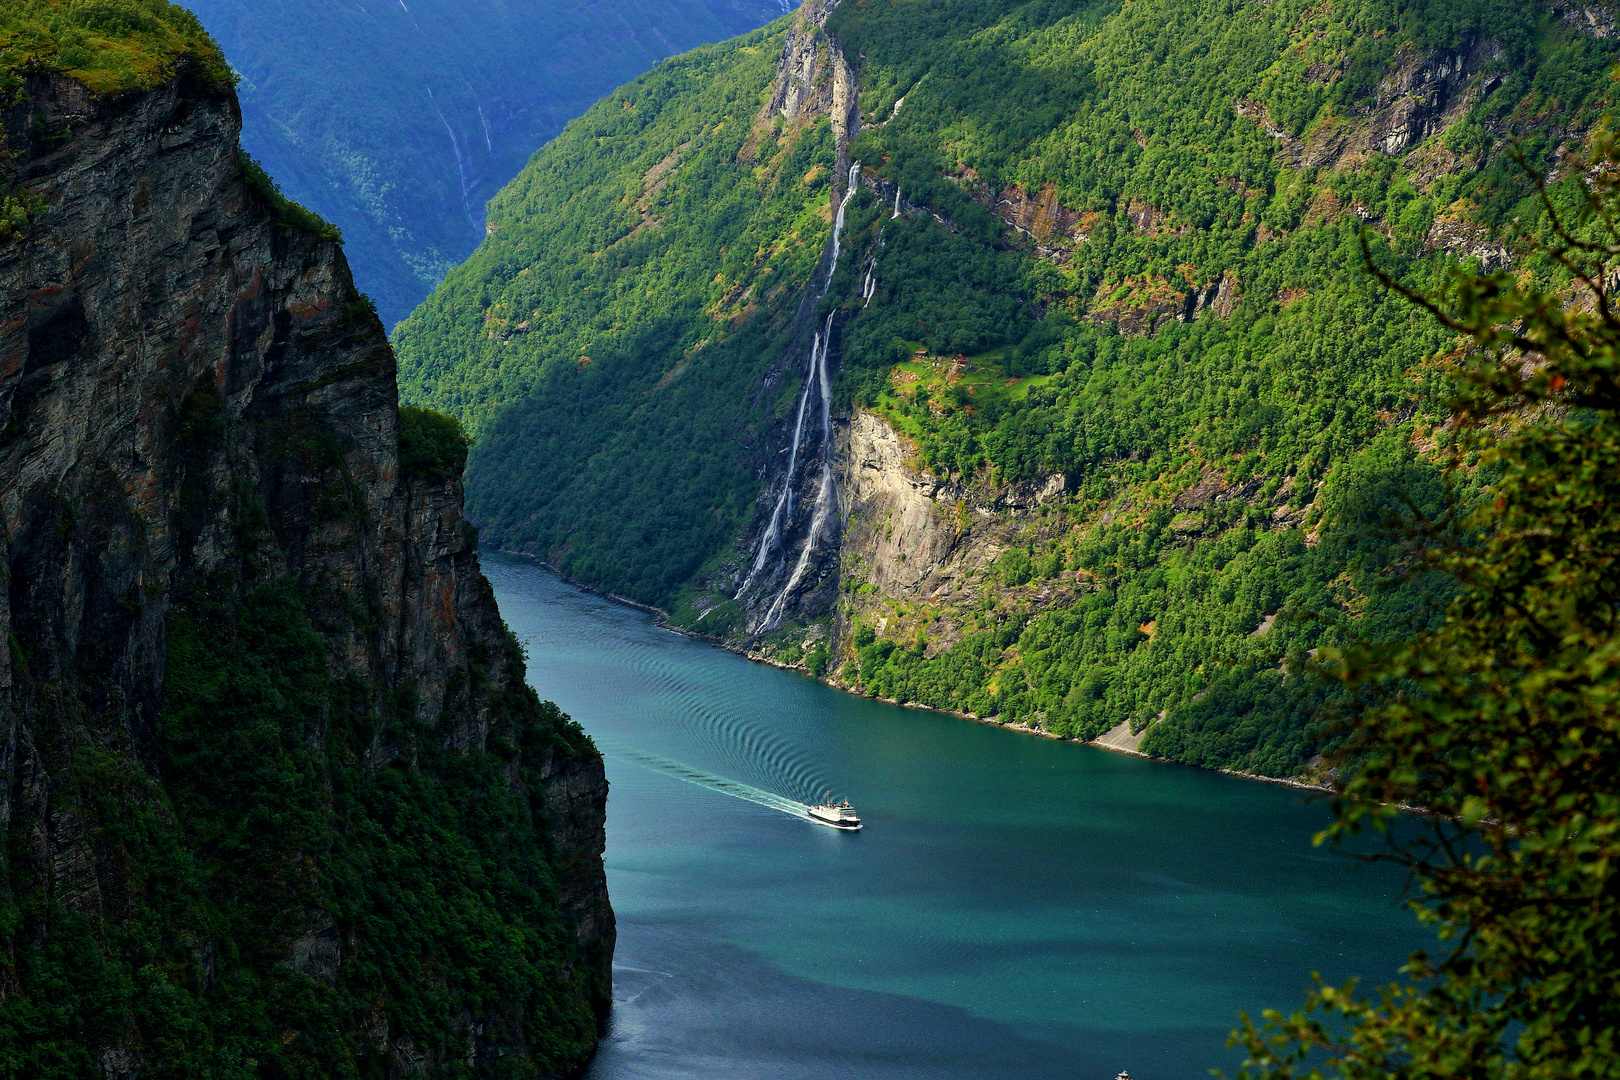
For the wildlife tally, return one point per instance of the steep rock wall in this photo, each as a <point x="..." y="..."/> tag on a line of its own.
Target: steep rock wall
<point x="917" y="549"/>
<point x="813" y="79"/>
<point x="900" y="533"/>
<point x="793" y="567"/>
<point x="199" y="438"/>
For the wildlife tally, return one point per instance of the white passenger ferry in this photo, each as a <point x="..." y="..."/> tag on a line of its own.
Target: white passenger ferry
<point x="831" y="813"/>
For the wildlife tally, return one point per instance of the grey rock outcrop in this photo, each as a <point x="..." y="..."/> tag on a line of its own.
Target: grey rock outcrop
<point x="813" y="79"/>
<point x="194" y="398"/>
<point x="1594" y="19"/>
<point x="1426" y="92"/>
<point x="912" y="536"/>
<point x="1421" y="95"/>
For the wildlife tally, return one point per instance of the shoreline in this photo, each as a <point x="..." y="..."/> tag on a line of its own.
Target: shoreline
<point x="661" y="620"/>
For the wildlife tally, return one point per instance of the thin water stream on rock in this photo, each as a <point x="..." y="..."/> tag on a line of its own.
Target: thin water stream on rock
<point x="816" y="379"/>
<point x="1014" y="908"/>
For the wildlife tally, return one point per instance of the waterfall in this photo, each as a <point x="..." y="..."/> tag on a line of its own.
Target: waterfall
<point x="784" y="501"/>
<point x="826" y="386"/>
<point x="824" y="488"/>
<point x="818" y="379"/>
<point x="824" y="499"/>
<point x="896" y="203"/>
<point x="838" y="221"/>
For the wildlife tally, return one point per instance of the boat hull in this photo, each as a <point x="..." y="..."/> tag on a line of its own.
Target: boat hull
<point x="843" y="825"/>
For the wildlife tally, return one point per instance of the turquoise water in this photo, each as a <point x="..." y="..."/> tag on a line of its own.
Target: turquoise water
<point x="1015" y="907"/>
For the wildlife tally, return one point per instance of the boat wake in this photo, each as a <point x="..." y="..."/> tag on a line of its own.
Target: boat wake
<point x="680" y="771"/>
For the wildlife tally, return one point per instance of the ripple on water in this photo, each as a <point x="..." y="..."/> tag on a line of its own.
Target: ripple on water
<point x="719" y="713"/>
<point x="1015" y="908"/>
<point x="702" y="778"/>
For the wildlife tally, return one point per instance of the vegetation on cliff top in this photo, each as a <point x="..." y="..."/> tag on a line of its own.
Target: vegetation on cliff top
<point x="1144" y="217"/>
<point x="287" y="212"/>
<point x="112" y="46"/>
<point x="431" y="444"/>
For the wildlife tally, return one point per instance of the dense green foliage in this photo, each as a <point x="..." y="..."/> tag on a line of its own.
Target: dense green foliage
<point x="625" y="469"/>
<point x="270" y="819"/>
<point x="609" y="340"/>
<point x="399" y="121"/>
<point x="431" y="444"/>
<point x="17" y="208"/>
<point x="1504" y="721"/>
<point x="1312" y="376"/>
<point x="1170" y="626"/>
<point x="112" y="46"/>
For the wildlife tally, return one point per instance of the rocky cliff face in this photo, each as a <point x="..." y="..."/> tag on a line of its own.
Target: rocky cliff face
<point x="909" y="533"/>
<point x="199" y="439"/>
<point x="813" y="79"/>
<point x="793" y="568"/>
<point x="918" y="551"/>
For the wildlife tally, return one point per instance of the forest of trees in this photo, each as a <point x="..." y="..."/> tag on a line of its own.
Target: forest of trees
<point x="607" y="343"/>
<point x="1501" y="721"/>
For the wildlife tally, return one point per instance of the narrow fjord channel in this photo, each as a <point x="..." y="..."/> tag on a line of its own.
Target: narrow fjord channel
<point x="1015" y="908"/>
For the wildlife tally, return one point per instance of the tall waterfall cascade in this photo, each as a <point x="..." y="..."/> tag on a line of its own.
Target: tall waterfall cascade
<point x="818" y="382"/>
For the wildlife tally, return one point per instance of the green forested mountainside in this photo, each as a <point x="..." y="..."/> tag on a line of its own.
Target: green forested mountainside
<point x="1501" y="723"/>
<point x="630" y="301"/>
<point x="111" y="46"/>
<point x="399" y="121"/>
<point x="1142" y="223"/>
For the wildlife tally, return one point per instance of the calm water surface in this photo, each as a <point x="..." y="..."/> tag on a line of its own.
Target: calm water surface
<point x="1015" y="907"/>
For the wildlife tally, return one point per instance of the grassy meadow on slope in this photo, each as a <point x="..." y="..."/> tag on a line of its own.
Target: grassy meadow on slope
<point x="1202" y="315"/>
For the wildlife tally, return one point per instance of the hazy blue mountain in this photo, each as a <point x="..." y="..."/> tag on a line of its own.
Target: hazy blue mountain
<point x="397" y="119"/>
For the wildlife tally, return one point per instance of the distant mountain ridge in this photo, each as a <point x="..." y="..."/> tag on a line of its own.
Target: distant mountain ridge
<point x="398" y="121"/>
<point x="1115" y="410"/>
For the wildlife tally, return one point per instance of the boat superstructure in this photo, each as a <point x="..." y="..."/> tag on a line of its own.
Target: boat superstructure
<point x="838" y="815"/>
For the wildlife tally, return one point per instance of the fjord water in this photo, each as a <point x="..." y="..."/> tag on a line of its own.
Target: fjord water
<point x="1015" y="907"/>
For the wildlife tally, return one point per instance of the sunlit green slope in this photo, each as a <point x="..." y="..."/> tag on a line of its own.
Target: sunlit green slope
<point x="112" y="46"/>
<point x="1142" y="220"/>
<point x="624" y="307"/>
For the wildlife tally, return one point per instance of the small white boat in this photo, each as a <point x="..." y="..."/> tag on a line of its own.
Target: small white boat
<point x="839" y="816"/>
